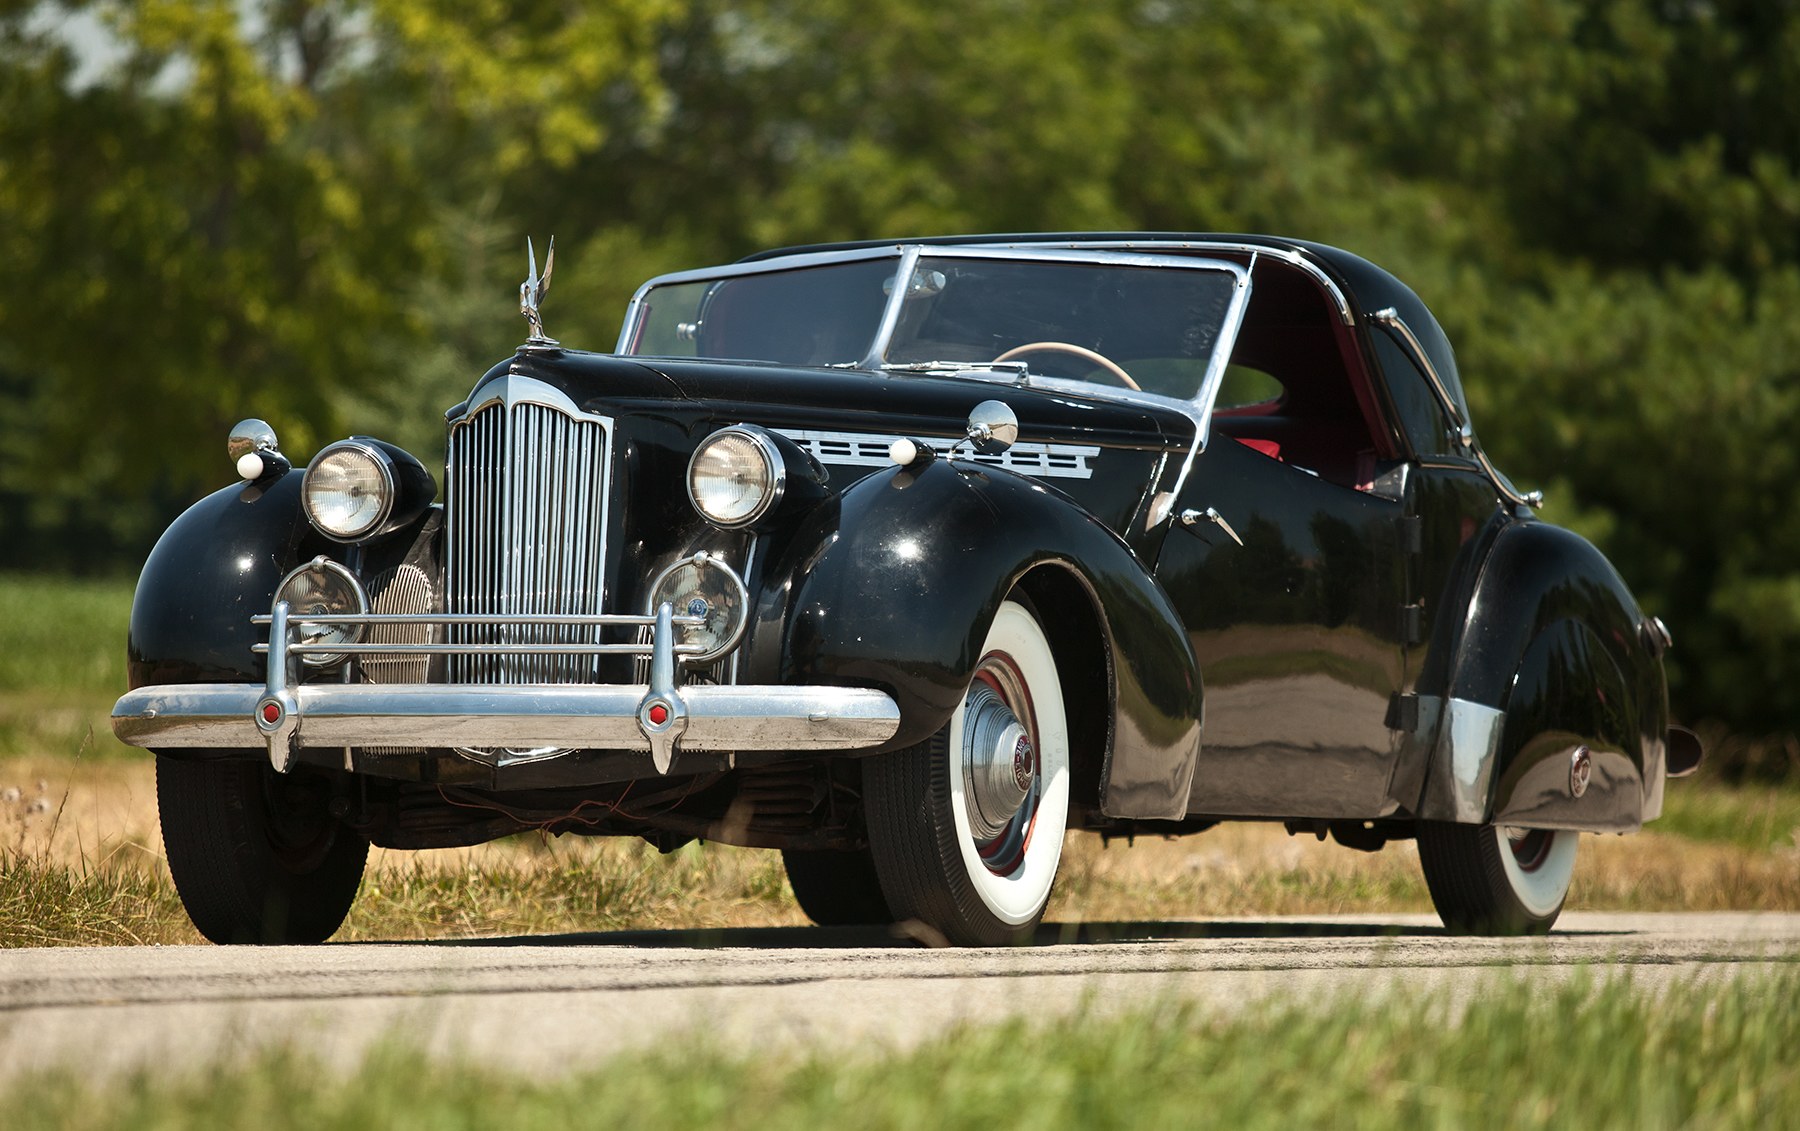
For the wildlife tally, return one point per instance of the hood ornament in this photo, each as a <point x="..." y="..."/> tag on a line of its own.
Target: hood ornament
<point x="532" y="292"/>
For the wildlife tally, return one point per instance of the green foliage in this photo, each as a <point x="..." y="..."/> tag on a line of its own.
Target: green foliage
<point x="1599" y="1053"/>
<point x="45" y="904"/>
<point x="1765" y="819"/>
<point x="311" y="211"/>
<point x="62" y="663"/>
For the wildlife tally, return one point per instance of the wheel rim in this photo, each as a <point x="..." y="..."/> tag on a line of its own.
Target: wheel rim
<point x="1009" y="778"/>
<point x="1530" y="847"/>
<point x="1002" y="778"/>
<point x="1539" y="865"/>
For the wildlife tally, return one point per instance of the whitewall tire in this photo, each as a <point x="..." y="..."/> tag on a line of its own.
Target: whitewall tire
<point x="1493" y="880"/>
<point x="966" y="829"/>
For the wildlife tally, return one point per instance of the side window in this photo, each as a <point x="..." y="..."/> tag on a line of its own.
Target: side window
<point x="1245" y="386"/>
<point x="1420" y="413"/>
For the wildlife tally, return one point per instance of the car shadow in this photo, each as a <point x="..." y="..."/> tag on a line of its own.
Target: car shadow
<point x="907" y="936"/>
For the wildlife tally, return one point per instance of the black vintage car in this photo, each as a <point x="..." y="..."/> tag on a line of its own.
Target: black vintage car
<point x="905" y="559"/>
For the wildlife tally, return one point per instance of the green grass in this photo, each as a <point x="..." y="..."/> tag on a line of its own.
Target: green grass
<point x="607" y="886"/>
<point x="62" y="663"/>
<point x="45" y="904"/>
<point x="1756" y="818"/>
<point x="1596" y="1053"/>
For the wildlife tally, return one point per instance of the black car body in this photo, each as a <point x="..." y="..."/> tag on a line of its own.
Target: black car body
<point x="903" y="558"/>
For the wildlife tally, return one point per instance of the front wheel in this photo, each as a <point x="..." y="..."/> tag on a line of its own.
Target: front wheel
<point x="257" y="856"/>
<point x="1491" y="880"/>
<point x="966" y="828"/>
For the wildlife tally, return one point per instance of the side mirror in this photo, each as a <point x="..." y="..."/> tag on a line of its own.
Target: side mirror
<point x="993" y="427"/>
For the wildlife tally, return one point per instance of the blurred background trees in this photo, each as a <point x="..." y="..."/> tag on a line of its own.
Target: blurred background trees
<point x="313" y="211"/>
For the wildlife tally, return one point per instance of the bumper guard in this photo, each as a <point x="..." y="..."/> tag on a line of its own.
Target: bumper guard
<point x="660" y="717"/>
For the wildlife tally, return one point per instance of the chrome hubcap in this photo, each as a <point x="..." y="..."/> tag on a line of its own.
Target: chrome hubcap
<point x="998" y="761"/>
<point x="1530" y="847"/>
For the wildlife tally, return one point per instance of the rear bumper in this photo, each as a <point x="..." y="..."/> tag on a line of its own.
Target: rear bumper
<point x="704" y="718"/>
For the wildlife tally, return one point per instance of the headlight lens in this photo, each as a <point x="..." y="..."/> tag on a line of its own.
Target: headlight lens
<point x="323" y="588"/>
<point x="348" y="490"/>
<point x="703" y="586"/>
<point x="736" y="475"/>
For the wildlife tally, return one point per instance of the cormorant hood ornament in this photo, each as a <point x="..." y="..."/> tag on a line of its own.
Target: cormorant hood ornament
<point x="533" y="290"/>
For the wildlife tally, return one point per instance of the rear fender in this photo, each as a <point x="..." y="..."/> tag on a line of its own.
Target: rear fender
<point x="894" y="584"/>
<point x="1551" y="660"/>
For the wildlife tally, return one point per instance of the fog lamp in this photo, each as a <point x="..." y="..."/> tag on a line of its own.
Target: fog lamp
<point x="323" y="588"/>
<point x="705" y="587"/>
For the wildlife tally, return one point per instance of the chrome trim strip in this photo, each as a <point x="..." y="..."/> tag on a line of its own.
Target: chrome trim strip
<point x="559" y="717"/>
<point x="605" y="620"/>
<point x="870" y="449"/>
<point x="1459" y="782"/>
<point x="480" y="649"/>
<point x="890" y="313"/>
<point x="634" y="311"/>
<point x="1289" y="256"/>
<point x="1389" y="319"/>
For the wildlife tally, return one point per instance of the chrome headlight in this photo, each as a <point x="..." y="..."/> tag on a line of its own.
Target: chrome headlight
<point x="349" y="489"/>
<point x="736" y="475"/>
<point x="323" y="588"/>
<point x="360" y="487"/>
<point x="703" y="586"/>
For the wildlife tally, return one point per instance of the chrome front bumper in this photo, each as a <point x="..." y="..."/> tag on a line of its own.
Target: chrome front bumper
<point x="659" y="718"/>
<point x="225" y="715"/>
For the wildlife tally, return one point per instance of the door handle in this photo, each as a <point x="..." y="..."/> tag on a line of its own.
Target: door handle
<point x="1192" y="518"/>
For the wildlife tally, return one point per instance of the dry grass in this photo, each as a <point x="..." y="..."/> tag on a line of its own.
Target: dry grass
<point x="81" y="863"/>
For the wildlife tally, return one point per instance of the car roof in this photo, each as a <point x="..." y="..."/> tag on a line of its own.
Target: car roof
<point x="1363" y="287"/>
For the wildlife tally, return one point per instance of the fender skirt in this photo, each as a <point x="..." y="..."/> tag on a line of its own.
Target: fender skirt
<point x="1550" y="670"/>
<point x="895" y="583"/>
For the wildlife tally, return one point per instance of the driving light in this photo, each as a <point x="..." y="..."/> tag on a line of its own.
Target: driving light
<point x="348" y="490"/>
<point x="703" y="586"/>
<point x="323" y="588"/>
<point x="736" y="475"/>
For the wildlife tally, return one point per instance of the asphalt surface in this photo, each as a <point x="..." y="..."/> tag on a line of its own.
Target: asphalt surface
<point x="550" y="1004"/>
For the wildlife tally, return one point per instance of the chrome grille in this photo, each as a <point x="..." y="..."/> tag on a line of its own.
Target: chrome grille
<point x="405" y="590"/>
<point x="525" y="529"/>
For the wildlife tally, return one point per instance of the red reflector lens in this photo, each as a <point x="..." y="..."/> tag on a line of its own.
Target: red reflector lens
<point x="271" y="713"/>
<point x="659" y="715"/>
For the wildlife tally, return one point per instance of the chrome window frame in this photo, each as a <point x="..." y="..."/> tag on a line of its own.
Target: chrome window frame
<point x="1198" y="409"/>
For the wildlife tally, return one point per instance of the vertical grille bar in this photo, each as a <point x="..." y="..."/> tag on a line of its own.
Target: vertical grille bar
<point x="525" y="512"/>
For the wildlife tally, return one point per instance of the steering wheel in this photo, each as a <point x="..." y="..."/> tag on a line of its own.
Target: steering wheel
<point x="1073" y="350"/>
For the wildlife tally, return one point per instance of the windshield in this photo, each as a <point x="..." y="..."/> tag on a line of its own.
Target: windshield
<point x="1109" y="319"/>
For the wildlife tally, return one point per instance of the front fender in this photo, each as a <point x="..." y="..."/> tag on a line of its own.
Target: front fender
<point x="1551" y="657"/>
<point x="895" y="583"/>
<point x="215" y="567"/>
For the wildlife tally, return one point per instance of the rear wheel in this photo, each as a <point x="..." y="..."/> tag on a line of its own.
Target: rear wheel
<point x="1492" y="880"/>
<point x="966" y="828"/>
<point x="836" y="889"/>
<point x="257" y="856"/>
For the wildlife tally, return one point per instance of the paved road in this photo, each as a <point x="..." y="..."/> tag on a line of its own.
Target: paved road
<point x="550" y="1003"/>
